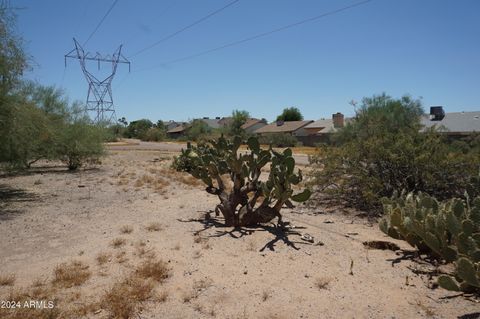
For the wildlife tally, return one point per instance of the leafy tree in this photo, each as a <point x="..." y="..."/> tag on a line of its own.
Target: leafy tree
<point x="197" y="129"/>
<point x="160" y="125"/>
<point x="290" y="114"/>
<point x="138" y="129"/>
<point x="238" y="119"/>
<point x="13" y="60"/>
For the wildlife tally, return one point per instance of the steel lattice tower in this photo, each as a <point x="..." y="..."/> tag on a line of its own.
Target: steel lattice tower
<point x="99" y="97"/>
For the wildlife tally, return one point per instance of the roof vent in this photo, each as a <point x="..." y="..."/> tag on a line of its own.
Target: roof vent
<point x="436" y="113"/>
<point x="280" y="123"/>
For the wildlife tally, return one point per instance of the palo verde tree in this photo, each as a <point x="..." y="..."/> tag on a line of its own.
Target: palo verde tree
<point x="235" y="178"/>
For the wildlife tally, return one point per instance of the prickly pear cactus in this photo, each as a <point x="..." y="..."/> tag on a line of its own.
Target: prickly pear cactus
<point x="449" y="230"/>
<point x="248" y="200"/>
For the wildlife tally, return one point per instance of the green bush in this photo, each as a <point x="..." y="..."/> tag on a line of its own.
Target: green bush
<point x="198" y="130"/>
<point x="138" y="129"/>
<point x="80" y="142"/>
<point x="383" y="151"/>
<point x="154" y="134"/>
<point x="279" y="140"/>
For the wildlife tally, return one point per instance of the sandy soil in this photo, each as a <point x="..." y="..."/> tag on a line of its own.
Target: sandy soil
<point x="50" y="216"/>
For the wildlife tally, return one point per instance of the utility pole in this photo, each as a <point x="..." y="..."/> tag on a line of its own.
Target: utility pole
<point x="99" y="97"/>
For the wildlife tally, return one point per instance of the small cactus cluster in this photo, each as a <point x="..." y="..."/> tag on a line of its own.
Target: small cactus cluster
<point x="248" y="200"/>
<point x="450" y="230"/>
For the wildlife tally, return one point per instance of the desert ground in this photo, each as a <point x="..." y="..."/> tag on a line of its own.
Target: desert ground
<point x="131" y="237"/>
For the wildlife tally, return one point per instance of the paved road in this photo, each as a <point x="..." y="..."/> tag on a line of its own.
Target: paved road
<point x="137" y="145"/>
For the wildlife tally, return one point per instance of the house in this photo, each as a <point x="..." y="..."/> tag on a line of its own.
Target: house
<point x="212" y="123"/>
<point x="251" y="125"/>
<point x="294" y="128"/>
<point x="177" y="131"/>
<point x="172" y="124"/>
<point x="454" y="124"/>
<point x="321" y="130"/>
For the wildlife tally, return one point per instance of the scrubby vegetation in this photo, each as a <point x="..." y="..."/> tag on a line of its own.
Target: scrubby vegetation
<point x="245" y="199"/>
<point x="384" y="150"/>
<point x="449" y="231"/>
<point x="38" y="122"/>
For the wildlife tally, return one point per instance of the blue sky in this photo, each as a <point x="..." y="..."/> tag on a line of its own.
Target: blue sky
<point x="425" y="48"/>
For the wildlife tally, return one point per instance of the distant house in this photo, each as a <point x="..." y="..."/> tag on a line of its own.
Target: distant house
<point x="172" y="124"/>
<point x="225" y="121"/>
<point x="251" y="125"/>
<point x="294" y="128"/>
<point x="177" y="131"/>
<point x="454" y="124"/>
<point x="321" y="130"/>
<point x="212" y="123"/>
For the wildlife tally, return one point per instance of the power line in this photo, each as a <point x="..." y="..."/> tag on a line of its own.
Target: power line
<point x="260" y="35"/>
<point x="101" y="21"/>
<point x="185" y="28"/>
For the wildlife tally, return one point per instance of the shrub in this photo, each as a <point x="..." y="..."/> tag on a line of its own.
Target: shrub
<point x="448" y="230"/>
<point x="383" y="151"/>
<point x="138" y="129"/>
<point x="154" y="134"/>
<point x="279" y="140"/>
<point x="80" y="142"/>
<point x="247" y="200"/>
<point x="197" y="130"/>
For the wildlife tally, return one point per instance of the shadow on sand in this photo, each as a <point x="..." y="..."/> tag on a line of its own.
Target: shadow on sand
<point x="279" y="233"/>
<point x="11" y="195"/>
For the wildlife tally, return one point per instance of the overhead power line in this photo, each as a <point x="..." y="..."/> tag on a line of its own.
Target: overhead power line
<point x="260" y="35"/>
<point x="101" y="21"/>
<point x="185" y="28"/>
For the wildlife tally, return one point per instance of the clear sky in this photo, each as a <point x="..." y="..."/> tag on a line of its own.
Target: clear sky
<point x="425" y="48"/>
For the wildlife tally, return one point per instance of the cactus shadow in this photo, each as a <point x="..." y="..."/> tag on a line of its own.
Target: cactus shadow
<point x="280" y="233"/>
<point x="473" y="315"/>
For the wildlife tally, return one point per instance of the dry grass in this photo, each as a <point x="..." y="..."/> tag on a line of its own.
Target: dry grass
<point x="118" y="242"/>
<point x="71" y="274"/>
<point x="102" y="258"/>
<point x="121" y="257"/>
<point x="251" y="245"/>
<point x="153" y="269"/>
<point x="124" y="299"/>
<point x="154" y="226"/>
<point x="322" y="283"/>
<point x="189" y="296"/>
<point x="126" y="229"/>
<point x="7" y="279"/>
<point x="162" y="296"/>
<point x="26" y="295"/>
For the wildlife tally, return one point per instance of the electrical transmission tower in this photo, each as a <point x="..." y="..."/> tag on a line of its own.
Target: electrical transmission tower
<point x="99" y="97"/>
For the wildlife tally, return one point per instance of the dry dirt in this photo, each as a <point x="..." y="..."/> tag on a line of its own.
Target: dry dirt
<point x="131" y="209"/>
